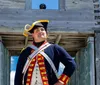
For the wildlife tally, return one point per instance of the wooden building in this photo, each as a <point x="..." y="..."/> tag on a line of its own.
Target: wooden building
<point x="75" y="26"/>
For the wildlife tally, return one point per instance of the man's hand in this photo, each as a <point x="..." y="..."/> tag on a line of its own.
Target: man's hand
<point x="58" y="83"/>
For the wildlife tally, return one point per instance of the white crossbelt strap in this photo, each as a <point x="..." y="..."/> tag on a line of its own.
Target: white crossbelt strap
<point x="50" y="62"/>
<point x="33" y="55"/>
<point x="48" y="59"/>
<point x="37" y="50"/>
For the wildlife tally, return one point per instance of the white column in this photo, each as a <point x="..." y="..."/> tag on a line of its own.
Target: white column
<point x="90" y="43"/>
<point x="4" y="65"/>
<point x="61" y="4"/>
<point x="28" y="4"/>
<point x="97" y="57"/>
<point x="1" y="64"/>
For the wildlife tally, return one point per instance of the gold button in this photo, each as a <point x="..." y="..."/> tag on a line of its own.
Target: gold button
<point x="30" y="69"/>
<point x="29" y="74"/>
<point x="45" y="82"/>
<point x="27" y="83"/>
<point x="31" y="64"/>
<point x="41" y="68"/>
<point x="39" y="54"/>
<point x="28" y="79"/>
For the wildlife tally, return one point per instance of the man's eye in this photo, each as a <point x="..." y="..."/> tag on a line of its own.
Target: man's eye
<point x="42" y="29"/>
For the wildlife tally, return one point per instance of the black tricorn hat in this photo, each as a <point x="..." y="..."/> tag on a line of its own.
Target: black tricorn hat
<point x="29" y="28"/>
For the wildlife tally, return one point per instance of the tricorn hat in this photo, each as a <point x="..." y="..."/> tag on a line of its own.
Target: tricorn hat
<point x="30" y="28"/>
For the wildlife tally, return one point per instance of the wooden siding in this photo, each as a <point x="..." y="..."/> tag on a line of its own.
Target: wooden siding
<point x="70" y="20"/>
<point x="72" y="42"/>
<point x="69" y="27"/>
<point x="12" y="4"/>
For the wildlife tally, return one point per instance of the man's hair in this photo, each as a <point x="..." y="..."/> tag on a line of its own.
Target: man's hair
<point x="42" y="6"/>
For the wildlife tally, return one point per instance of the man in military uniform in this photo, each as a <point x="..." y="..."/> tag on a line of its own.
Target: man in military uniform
<point x="38" y="63"/>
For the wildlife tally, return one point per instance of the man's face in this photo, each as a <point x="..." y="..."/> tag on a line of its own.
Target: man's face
<point x="39" y="34"/>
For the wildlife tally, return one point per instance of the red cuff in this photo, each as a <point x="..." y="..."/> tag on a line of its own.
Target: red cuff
<point x="64" y="79"/>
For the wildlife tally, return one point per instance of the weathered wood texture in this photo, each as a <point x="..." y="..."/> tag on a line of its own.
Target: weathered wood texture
<point x="12" y="4"/>
<point x="97" y="58"/>
<point x="70" y="20"/>
<point x="61" y="4"/>
<point x="23" y="1"/>
<point x="75" y="12"/>
<point x="97" y="40"/>
<point x="72" y="42"/>
<point x="28" y="4"/>
<point x="97" y="14"/>
<point x="79" y="16"/>
<point x="78" y="4"/>
<point x="84" y="74"/>
<point x="76" y="15"/>
<point x="4" y="65"/>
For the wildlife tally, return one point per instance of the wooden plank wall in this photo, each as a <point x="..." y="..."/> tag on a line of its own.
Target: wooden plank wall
<point x="84" y="74"/>
<point x="70" y="20"/>
<point x="97" y="57"/>
<point x="12" y="4"/>
<point x="97" y="13"/>
<point x="75" y="17"/>
<point x="79" y="4"/>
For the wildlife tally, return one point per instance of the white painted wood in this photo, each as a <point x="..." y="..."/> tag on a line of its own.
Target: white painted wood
<point x="97" y="56"/>
<point x="4" y="65"/>
<point x="59" y="20"/>
<point x="78" y="4"/>
<point x="28" y="4"/>
<point x="61" y="4"/>
<point x="12" y="4"/>
<point x="1" y="63"/>
<point x="90" y="42"/>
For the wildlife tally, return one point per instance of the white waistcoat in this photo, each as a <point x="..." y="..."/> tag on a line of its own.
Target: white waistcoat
<point x="36" y="77"/>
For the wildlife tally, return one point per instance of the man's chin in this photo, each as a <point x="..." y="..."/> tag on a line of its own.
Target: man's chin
<point x="43" y="39"/>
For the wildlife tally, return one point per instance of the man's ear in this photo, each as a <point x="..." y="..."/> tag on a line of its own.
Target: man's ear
<point x="32" y="34"/>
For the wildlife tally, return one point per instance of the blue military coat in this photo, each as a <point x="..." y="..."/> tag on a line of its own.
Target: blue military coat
<point x="57" y="54"/>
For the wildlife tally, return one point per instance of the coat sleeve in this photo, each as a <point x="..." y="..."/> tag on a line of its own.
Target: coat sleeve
<point x="21" y="61"/>
<point x="68" y="62"/>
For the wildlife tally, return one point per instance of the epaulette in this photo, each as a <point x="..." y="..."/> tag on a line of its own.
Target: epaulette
<point x="23" y="49"/>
